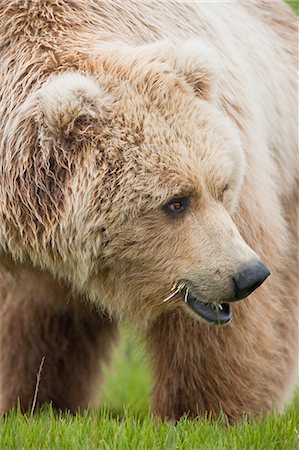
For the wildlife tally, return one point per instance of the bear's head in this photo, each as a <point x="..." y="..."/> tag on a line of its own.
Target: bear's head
<point x="124" y="182"/>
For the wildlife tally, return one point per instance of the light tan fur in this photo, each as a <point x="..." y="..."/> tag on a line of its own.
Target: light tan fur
<point x="108" y="111"/>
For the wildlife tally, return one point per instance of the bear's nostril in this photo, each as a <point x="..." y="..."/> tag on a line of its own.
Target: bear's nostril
<point x="249" y="279"/>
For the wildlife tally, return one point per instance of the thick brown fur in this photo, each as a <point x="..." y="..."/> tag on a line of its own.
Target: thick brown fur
<point x="40" y="319"/>
<point x="108" y="111"/>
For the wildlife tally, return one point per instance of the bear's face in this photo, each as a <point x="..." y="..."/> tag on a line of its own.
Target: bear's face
<point x="174" y="210"/>
<point x="136" y="174"/>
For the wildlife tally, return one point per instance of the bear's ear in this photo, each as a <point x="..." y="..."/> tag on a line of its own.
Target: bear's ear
<point x="193" y="59"/>
<point x="72" y="100"/>
<point x="200" y="65"/>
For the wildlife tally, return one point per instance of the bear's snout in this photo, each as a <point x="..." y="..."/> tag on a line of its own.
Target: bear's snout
<point x="248" y="279"/>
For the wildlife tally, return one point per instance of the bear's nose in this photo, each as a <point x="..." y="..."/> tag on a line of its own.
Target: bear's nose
<point x="249" y="279"/>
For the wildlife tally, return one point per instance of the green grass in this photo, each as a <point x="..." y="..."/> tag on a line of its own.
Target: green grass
<point x="294" y="4"/>
<point x="102" y="431"/>
<point x="125" y="422"/>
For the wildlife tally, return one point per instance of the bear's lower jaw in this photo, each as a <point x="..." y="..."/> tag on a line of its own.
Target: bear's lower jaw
<point x="214" y="313"/>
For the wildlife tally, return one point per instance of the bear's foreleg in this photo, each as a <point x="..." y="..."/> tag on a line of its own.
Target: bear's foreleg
<point x="38" y="318"/>
<point x="202" y="369"/>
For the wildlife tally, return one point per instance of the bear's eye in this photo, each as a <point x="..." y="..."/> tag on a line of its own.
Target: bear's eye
<point x="177" y="205"/>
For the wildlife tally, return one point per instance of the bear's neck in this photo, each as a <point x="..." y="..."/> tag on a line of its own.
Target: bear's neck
<point x="39" y="20"/>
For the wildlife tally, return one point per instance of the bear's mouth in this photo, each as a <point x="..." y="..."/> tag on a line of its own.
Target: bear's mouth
<point x="215" y="313"/>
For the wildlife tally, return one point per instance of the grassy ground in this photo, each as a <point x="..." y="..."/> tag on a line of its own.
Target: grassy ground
<point x="124" y="422"/>
<point x="101" y="431"/>
<point x="295" y="5"/>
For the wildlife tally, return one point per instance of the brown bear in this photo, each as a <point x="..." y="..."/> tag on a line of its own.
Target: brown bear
<point x="148" y="158"/>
